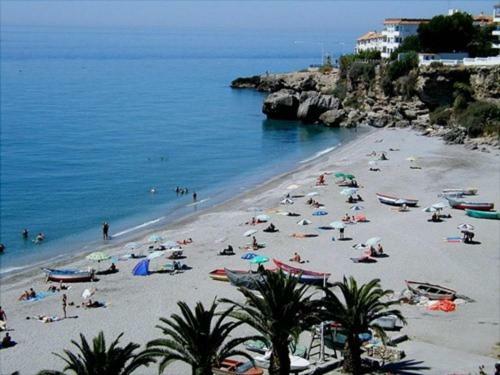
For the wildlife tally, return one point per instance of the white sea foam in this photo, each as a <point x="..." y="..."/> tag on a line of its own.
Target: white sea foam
<point x="140" y="226"/>
<point x="10" y="269"/>
<point x="198" y="202"/>
<point x="319" y="154"/>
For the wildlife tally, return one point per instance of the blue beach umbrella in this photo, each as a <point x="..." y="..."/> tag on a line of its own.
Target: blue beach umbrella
<point x="320" y="213"/>
<point x="357" y="208"/>
<point x="259" y="259"/>
<point x="249" y="256"/>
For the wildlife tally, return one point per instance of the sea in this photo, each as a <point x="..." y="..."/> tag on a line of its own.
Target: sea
<point x="93" y="119"/>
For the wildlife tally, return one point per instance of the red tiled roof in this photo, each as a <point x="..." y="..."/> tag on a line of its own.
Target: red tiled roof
<point x="370" y="35"/>
<point x="405" y="21"/>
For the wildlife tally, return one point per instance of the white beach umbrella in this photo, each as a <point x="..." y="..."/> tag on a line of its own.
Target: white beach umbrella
<point x="337" y="225"/>
<point x="349" y="191"/>
<point x="292" y="187"/>
<point x="249" y="232"/>
<point x="440" y="205"/>
<point x="263" y="218"/>
<point x="430" y="209"/>
<point x="312" y="194"/>
<point x="411" y="159"/>
<point x="169" y="244"/>
<point x="155" y="254"/>
<point x="373" y="241"/>
<point x="132" y="245"/>
<point x="304" y="222"/>
<point x="87" y="293"/>
<point x="373" y="163"/>
<point x="287" y="201"/>
<point x="466" y="227"/>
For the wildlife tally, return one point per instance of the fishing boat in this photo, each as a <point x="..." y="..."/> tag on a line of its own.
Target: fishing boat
<point x="68" y="275"/>
<point x="395" y="201"/>
<point x="233" y="367"/>
<point x="431" y="291"/>
<point x="466" y="191"/>
<point x="218" y="274"/>
<point x="305" y="276"/>
<point x="464" y="205"/>
<point x="495" y="215"/>
<point x="247" y="279"/>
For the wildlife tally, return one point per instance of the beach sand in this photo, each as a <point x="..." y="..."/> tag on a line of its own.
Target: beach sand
<point x="458" y="341"/>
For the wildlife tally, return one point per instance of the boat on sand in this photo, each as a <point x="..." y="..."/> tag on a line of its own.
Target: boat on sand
<point x="296" y="363"/>
<point x="494" y="215"/>
<point x="395" y="201"/>
<point x="461" y="191"/>
<point x="305" y="276"/>
<point x="218" y="274"/>
<point x="68" y="275"/>
<point x="431" y="291"/>
<point x="233" y="367"/>
<point x="464" y="205"/>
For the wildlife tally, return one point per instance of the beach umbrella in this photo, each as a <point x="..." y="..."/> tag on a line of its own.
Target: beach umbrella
<point x="249" y="232"/>
<point x="350" y="176"/>
<point x="466" y="227"/>
<point x="373" y="241"/>
<point x="337" y="225"/>
<point x="312" y="194"/>
<point x="292" y="187"/>
<point x="155" y="238"/>
<point x="87" y="293"/>
<point x="440" y="205"/>
<point x="249" y="256"/>
<point x="132" y="245"/>
<point x="304" y="222"/>
<point x="169" y="244"/>
<point x="98" y="256"/>
<point x="340" y="175"/>
<point x="349" y="191"/>
<point x="357" y="208"/>
<point x="155" y="254"/>
<point x="430" y="209"/>
<point x="411" y="159"/>
<point x="320" y="213"/>
<point x="259" y="259"/>
<point x="373" y="163"/>
<point x="263" y="218"/>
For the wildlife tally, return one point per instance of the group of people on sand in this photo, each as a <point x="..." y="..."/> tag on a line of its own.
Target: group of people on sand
<point x="354" y="199"/>
<point x="58" y="288"/>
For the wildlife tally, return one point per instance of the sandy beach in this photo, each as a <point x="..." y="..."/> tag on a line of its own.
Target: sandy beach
<point x="454" y="342"/>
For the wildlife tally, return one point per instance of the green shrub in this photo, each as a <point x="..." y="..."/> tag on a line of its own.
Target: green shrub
<point x="480" y="118"/>
<point x="460" y="103"/>
<point x="436" y="64"/>
<point x="440" y="116"/>
<point x="407" y="85"/>
<point x="340" y="90"/>
<point x="361" y="71"/>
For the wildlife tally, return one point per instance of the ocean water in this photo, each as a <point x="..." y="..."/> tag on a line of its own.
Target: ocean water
<point x="92" y="119"/>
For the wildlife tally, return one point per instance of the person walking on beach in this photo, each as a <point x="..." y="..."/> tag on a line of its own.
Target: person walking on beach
<point x="3" y="319"/>
<point x="105" y="231"/>
<point x="64" y="304"/>
<point x="194" y="196"/>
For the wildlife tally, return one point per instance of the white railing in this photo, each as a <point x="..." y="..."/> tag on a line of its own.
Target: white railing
<point x="475" y="61"/>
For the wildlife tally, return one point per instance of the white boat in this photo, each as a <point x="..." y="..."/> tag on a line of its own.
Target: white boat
<point x="296" y="363"/>
<point x="462" y="191"/>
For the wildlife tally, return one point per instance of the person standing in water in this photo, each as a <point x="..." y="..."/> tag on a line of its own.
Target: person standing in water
<point x="105" y="231"/>
<point x="25" y="234"/>
<point x="194" y="196"/>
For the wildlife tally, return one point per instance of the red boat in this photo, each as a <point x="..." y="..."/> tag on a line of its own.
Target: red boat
<point x="305" y="276"/>
<point x="463" y="205"/>
<point x="233" y="367"/>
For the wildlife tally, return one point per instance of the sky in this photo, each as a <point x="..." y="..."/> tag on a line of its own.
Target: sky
<point x="346" y="15"/>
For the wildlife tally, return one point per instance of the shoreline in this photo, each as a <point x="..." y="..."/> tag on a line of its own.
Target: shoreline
<point x="457" y="341"/>
<point x="140" y="235"/>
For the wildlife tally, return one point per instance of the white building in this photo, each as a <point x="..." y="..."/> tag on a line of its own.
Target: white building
<point x="496" y="32"/>
<point x="396" y="30"/>
<point x="371" y="41"/>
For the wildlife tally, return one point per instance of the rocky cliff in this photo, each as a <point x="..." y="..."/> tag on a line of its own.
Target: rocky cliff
<point x="347" y="100"/>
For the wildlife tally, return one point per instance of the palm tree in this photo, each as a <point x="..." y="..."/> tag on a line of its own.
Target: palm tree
<point x="99" y="360"/>
<point x="280" y="309"/>
<point x="356" y="312"/>
<point x="194" y="338"/>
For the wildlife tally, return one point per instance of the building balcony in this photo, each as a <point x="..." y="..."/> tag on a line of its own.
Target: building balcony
<point x="496" y="32"/>
<point x="391" y="33"/>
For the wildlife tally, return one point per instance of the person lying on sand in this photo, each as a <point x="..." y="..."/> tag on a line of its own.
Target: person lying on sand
<point x="92" y="304"/>
<point x="377" y="169"/>
<point x="303" y="235"/>
<point x="185" y="242"/>
<point x="45" y="318"/>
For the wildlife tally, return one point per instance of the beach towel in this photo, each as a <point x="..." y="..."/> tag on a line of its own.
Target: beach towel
<point x="39" y="296"/>
<point x="12" y="343"/>
<point x="304" y="235"/>
<point x="453" y="239"/>
<point x="360" y="218"/>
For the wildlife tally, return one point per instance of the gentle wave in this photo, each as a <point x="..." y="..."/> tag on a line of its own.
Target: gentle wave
<point x="143" y="225"/>
<point x="10" y="269"/>
<point x="199" y="202"/>
<point x="319" y="154"/>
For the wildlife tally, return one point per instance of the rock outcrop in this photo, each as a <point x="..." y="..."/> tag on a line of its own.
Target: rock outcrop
<point x="281" y="105"/>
